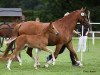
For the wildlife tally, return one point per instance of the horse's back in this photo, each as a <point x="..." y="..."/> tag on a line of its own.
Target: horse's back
<point x="31" y="27"/>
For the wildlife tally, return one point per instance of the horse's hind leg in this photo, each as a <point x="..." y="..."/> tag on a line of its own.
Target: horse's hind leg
<point x="71" y="49"/>
<point x="29" y="52"/>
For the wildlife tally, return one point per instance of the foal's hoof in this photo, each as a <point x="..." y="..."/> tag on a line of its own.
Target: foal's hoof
<point x="36" y="68"/>
<point x="8" y="67"/>
<point x="35" y="65"/>
<point x="46" y="65"/>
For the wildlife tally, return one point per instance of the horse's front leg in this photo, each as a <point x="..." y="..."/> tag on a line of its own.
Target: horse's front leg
<point x="58" y="47"/>
<point x="71" y="49"/>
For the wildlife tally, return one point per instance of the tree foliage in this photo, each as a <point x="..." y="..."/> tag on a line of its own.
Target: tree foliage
<point x="50" y="10"/>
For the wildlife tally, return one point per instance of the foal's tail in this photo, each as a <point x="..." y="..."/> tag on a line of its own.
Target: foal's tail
<point x="15" y="34"/>
<point x="10" y="40"/>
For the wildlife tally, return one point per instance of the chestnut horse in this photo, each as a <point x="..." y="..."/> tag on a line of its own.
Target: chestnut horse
<point x="6" y="31"/>
<point x="65" y="26"/>
<point x="39" y="41"/>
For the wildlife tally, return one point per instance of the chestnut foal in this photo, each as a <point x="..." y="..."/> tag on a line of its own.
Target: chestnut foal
<point x="39" y="41"/>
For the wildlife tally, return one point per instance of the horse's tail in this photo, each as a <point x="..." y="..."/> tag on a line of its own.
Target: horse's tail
<point x="15" y="31"/>
<point x="10" y="40"/>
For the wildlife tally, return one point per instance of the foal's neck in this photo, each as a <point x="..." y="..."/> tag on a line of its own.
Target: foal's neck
<point x="45" y="33"/>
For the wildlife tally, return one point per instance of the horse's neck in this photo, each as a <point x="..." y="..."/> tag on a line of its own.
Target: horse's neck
<point x="68" y="23"/>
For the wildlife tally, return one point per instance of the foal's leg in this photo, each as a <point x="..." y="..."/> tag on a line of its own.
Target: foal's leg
<point x="37" y="56"/>
<point x="71" y="49"/>
<point x="58" y="47"/>
<point x="11" y="58"/>
<point x="50" y="51"/>
<point x="19" y="59"/>
<point x="29" y="52"/>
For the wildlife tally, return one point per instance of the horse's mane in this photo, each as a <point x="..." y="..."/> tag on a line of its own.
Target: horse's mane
<point x="69" y="15"/>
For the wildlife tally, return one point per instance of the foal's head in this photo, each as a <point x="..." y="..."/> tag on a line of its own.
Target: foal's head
<point x="83" y="17"/>
<point x="51" y="29"/>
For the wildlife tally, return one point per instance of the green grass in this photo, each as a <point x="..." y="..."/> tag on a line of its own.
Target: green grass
<point x="91" y="61"/>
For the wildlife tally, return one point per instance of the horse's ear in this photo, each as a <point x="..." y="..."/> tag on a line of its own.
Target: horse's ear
<point x="84" y="9"/>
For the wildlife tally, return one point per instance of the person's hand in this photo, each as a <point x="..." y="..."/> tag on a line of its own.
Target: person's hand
<point x="79" y="34"/>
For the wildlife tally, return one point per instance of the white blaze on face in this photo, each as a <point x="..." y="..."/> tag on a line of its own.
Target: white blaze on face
<point x="82" y="14"/>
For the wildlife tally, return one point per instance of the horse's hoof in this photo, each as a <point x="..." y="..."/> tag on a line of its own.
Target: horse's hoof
<point x="80" y="65"/>
<point x="53" y="63"/>
<point x="20" y="64"/>
<point x="36" y="68"/>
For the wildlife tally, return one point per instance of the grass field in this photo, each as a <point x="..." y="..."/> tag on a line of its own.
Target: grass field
<point x="91" y="61"/>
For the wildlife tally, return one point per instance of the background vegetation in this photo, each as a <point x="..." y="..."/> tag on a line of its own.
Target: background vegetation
<point x="50" y="10"/>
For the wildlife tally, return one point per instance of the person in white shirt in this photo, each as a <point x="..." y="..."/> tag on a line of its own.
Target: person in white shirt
<point x="82" y="40"/>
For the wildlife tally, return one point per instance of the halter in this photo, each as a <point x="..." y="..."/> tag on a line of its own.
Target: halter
<point x="56" y="30"/>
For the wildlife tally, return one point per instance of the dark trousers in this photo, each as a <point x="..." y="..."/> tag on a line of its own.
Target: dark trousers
<point x="61" y="51"/>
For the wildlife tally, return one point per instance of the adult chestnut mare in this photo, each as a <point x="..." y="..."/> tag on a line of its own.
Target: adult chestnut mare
<point x="65" y="27"/>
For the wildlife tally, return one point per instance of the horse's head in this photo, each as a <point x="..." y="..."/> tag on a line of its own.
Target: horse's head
<point x="83" y="18"/>
<point x="52" y="29"/>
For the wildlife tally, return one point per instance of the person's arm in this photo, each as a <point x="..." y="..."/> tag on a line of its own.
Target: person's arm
<point x="76" y="32"/>
<point x="87" y="32"/>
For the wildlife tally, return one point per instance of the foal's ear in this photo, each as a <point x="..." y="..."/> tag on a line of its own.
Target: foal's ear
<point x="50" y="24"/>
